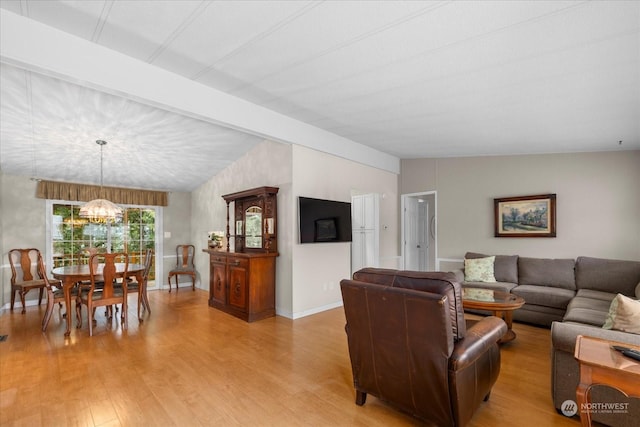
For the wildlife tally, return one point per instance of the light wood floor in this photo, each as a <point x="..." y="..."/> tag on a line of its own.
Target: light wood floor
<point x="190" y="365"/>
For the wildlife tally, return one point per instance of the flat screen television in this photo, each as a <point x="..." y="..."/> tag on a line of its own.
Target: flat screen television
<point x="324" y="220"/>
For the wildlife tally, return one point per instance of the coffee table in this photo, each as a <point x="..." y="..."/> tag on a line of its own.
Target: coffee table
<point x="600" y="364"/>
<point x="501" y="304"/>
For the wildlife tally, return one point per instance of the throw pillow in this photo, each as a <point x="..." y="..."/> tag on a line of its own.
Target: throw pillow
<point x="479" y="269"/>
<point x="624" y="315"/>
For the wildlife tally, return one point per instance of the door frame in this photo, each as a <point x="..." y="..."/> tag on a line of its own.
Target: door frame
<point x="433" y="226"/>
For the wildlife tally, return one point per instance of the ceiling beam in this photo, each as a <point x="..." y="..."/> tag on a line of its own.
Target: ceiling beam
<point x="37" y="47"/>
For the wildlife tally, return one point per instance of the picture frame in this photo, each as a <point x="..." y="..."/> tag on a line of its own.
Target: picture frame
<point x="525" y="216"/>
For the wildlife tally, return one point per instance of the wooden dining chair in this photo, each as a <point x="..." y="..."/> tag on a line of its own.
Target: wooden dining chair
<point x="84" y="256"/>
<point x="110" y="294"/>
<point x="24" y="274"/>
<point x="55" y="294"/>
<point x="184" y="265"/>
<point x="141" y="288"/>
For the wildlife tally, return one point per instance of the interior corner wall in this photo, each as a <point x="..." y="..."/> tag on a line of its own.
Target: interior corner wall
<point x="266" y="164"/>
<point x="597" y="202"/>
<point x="176" y="223"/>
<point x="22" y="226"/>
<point x="319" y="267"/>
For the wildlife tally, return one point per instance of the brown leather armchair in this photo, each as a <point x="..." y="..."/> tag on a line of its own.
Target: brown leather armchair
<point x="409" y="344"/>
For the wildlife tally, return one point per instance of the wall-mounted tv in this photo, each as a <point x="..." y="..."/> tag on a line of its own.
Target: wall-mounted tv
<point x="324" y="220"/>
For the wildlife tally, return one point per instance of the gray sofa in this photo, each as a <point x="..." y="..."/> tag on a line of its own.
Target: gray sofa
<point x="573" y="298"/>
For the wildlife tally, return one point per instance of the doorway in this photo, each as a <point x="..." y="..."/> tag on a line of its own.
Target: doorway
<point x="418" y="231"/>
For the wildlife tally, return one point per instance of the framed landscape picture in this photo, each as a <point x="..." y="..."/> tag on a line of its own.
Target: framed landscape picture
<point x="525" y="216"/>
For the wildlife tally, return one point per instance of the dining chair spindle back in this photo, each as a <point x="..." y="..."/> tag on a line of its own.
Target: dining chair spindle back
<point x="110" y="293"/>
<point x="184" y="265"/>
<point x="24" y="274"/>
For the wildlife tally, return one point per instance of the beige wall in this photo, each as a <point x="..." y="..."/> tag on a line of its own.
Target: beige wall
<point x="176" y="222"/>
<point x="597" y="202"/>
<point x="22" y="224"/>
<point x="318" y="268"/>
<point x="267" y="164"/>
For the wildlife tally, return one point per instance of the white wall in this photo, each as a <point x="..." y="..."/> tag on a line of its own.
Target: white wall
<point x="319" y="267"/>
<point x="598" y="202"/>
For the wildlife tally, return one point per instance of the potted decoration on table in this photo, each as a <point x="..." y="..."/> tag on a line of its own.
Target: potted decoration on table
<point x="215" y="239"/>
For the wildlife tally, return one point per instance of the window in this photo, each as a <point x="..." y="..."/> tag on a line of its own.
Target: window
<point x="70" y="235"/>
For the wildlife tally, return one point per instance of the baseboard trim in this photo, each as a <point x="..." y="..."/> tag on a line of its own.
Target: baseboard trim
<point x="310" y="312"/>
<point x="27" y="303"/>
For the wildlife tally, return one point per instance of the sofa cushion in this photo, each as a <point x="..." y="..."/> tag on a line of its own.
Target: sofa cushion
<point x="607" y="275"/>
<point x="557" y="273"/>
<point x="586" y="316"/>
<point x="598" y="295"/>
<point x="545" y="296"/>
<point x="479" y="269"/>
<point x="538" y="315"/>
<point x="505" y="267"/>
<point x="623" y="315"/>
<point x="590" y="308"/>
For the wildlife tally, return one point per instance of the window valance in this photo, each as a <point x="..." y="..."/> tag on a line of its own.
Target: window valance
<point x="83" y="193"/>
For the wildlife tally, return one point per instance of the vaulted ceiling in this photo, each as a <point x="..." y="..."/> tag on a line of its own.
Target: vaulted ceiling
<point x="410" y="79"/>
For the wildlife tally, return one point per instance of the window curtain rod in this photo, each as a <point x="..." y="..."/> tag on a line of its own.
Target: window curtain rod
<point x="53" y="190"/>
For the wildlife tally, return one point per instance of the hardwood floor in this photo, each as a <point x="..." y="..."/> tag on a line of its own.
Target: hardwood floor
<point x="190" y="365"/>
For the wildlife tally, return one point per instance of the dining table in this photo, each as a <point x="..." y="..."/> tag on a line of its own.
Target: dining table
<point x="70" y="275"/>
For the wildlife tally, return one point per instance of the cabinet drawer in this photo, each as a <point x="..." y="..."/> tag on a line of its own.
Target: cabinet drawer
<point x="238" y="262"/>
<point x="217" y="259"/>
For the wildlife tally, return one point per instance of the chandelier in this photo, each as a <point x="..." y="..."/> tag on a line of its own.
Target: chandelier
<point x="101" y="210"/>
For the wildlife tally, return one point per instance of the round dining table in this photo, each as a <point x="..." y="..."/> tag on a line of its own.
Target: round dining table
<point x="72" y="274"/>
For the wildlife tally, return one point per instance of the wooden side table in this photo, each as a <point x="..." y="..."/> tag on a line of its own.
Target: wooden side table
<point x="602" y="365"/>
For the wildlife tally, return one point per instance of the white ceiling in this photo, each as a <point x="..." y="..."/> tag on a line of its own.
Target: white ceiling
<point x="408" y="78"/>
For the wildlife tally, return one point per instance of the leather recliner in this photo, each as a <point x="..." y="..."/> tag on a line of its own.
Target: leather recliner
<point x="409" y="344"/>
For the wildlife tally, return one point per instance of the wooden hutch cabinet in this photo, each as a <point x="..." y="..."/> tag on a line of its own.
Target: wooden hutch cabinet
<point x="242" y="282"/>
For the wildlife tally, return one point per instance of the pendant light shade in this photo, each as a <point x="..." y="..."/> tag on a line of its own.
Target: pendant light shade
<point x="101" y="210"/>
